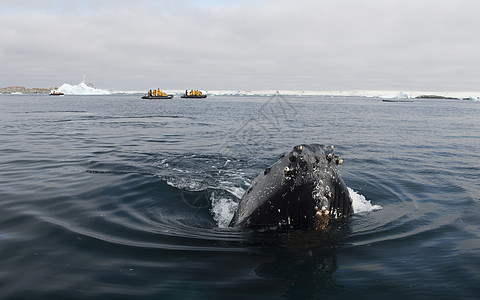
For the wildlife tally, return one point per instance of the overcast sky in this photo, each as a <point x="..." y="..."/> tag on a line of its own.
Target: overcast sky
<point x="242" y="45"/>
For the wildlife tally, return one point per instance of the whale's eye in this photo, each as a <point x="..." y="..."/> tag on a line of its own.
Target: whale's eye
<point x="298" y="149"/>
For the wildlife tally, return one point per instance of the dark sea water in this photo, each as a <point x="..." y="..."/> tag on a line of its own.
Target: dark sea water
<point x="115" y="197"/>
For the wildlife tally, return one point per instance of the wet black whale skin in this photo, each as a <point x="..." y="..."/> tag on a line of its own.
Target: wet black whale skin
<point x="290" y="193"/>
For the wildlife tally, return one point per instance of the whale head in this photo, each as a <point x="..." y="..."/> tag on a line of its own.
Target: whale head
<point x="301" y="190"/>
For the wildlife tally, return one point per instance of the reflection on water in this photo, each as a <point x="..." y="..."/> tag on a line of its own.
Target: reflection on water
<point x="308" y="272"/>
<point x="304" y="261"/>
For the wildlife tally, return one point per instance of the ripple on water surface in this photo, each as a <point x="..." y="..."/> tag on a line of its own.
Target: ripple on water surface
<point x="118" y="197"/>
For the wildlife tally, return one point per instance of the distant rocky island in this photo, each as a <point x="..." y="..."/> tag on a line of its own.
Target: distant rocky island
<point x="24" y="90"/>
<point x="435" y="97"/>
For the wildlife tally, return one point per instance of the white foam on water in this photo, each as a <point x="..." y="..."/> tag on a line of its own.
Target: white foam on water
<point x="361" y="204"/>
<point x="234" y="190"/>
<point x="223" y="209"/>
<point x="190" y="185"/>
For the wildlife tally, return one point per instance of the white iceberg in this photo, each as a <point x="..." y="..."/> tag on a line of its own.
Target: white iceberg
<point x="473" y="98"/>
<point x="399" y="95"/>
<point x="81" y="89"/>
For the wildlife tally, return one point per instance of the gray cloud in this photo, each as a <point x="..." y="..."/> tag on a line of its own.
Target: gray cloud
<point x="309" y="45"/>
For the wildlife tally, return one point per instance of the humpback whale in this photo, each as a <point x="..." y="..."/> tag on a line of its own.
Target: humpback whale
<point x="301" y="190"/>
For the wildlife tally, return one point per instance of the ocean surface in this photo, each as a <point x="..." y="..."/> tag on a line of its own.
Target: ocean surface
<point x="115" y="197"/>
